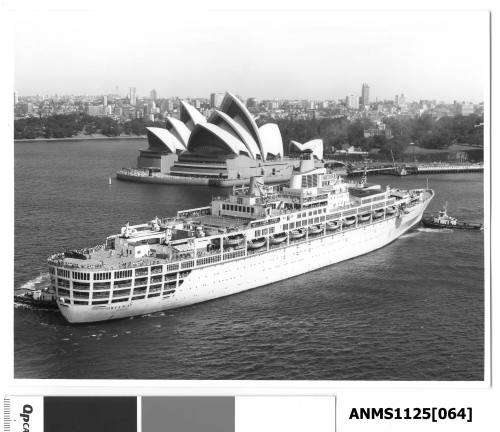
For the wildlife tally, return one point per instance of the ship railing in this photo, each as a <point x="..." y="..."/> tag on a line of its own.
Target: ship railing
<point x="158" y="271"/>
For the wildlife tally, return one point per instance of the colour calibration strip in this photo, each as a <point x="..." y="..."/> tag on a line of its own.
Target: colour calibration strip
<point x="169" y="414"/>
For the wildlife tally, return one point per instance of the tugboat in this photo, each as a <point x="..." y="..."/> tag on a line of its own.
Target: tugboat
<point x="443" y="220"/>
<point x="40" y="298"/>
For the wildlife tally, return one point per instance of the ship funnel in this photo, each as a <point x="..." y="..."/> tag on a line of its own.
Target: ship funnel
<point x="307" y="163"/>
<point x="256" y="186"/>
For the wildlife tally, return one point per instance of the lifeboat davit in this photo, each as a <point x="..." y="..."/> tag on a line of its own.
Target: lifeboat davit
<point x="297" y="233"/>
<point x="332" y="225"/>
<point x="315" y="229"/>
<point x="256" y="243"/>
<point x="390" y="210"/>
<point x="378" y="213"/>
<point x="349" y="220"/>
<point x="278" y="238"/>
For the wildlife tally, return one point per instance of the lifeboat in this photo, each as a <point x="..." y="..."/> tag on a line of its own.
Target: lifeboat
<point x="363" y="217"/>
<point x="349" y="220"/>
<point x="332" y="225"/>
<point x="233" y="240"/>
<point x="378" y="213"/>
<point x="278" y="238"/>
<point x="390" y="210"/>
<point x="297" y="233"/>
<point x="315" y="229"/>
<point x="256" y="243"/>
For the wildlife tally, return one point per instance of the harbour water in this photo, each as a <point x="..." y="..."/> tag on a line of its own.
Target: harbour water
<point x="413" y="310"/>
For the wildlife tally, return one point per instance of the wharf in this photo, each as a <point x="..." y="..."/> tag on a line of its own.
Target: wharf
<point x="414" y="169"/>
<point x="142" y="176"/>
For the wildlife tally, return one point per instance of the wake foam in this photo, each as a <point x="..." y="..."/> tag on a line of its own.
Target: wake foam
<point x="434" y="230"/>
<point x="40" y="282"/>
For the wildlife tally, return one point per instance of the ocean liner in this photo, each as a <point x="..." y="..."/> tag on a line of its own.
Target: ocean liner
<point x="256" y="236"/>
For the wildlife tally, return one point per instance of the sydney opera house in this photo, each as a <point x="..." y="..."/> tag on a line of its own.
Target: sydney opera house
<point x="227" y="146"/>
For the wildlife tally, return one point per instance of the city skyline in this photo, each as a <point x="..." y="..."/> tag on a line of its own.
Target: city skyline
<point x="306" y="55"/>
<point x="131" y="94"/>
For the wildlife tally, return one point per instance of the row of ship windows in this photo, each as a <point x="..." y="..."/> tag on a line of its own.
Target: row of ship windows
<point x="264" y="231"/>
<point x="310" y="213"/>
<point x="117" y="293"/>
<point x="305" y="222"/>
<point x="235" y="254"/>
<point x="120" y="300"/>
<point x="121" y="283"/>
<point x="119" y="274"/>
<point x="238" y="208"/>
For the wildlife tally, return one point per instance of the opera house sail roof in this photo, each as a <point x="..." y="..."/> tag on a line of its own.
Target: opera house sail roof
<point x="230" y="130"/>
<point x="179" y="129"/>
<point x="228" y="148"/>
<point x="162" y="141"/>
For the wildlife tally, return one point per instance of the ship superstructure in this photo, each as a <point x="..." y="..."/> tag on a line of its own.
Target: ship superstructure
<point x="257" y="235"/>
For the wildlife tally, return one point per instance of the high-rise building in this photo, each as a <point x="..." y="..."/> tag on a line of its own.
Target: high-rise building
<point x="352" y="102"/>
<point x="153" y="94"/>
<point x="132" y="96"/>
<point x="400" y="99"/>
<point x="216" y="99"/>
<point x="105" y="100"/>
<point x="251" y="103"/>
<point x="365" y="94"/>
<point x="16" y="98"/>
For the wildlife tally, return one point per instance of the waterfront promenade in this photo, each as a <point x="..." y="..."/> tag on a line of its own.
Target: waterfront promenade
<point x="416" y="168"/>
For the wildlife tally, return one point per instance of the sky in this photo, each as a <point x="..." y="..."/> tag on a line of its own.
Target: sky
<point x="300" y="54"/>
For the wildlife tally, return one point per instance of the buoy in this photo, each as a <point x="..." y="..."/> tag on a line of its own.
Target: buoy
<point x="110" y="180"/>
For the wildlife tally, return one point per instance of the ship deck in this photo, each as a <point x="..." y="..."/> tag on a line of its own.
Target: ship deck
<point x="223" y="222"/>
<point x="100" y="258"/>
<point x="112" y="259"/>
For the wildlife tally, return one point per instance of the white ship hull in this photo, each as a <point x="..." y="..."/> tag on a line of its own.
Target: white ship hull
<point x="256" y="270"/>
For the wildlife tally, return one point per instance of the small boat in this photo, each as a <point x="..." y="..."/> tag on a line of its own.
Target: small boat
<point x="443" y="220"/>
<point x="349" y="220"/>
<point x="332" y="225"/>
<point x="297" y="233"/>
<point x="315" y="229"/>
<point x="256" y="243"/>
<point x="390" y="210"/>
<point x="278" y="238"/>
<point x="378" y="213"/>
<point x="233" y="240"/>
<point x="42" y="298"/>
<point x="363" y="217"/>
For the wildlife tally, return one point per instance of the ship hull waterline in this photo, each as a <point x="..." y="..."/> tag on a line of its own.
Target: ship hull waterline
<point x="261" y="268"/>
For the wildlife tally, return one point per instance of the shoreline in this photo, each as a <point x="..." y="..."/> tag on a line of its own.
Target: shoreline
<point x="81" y="138"/>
